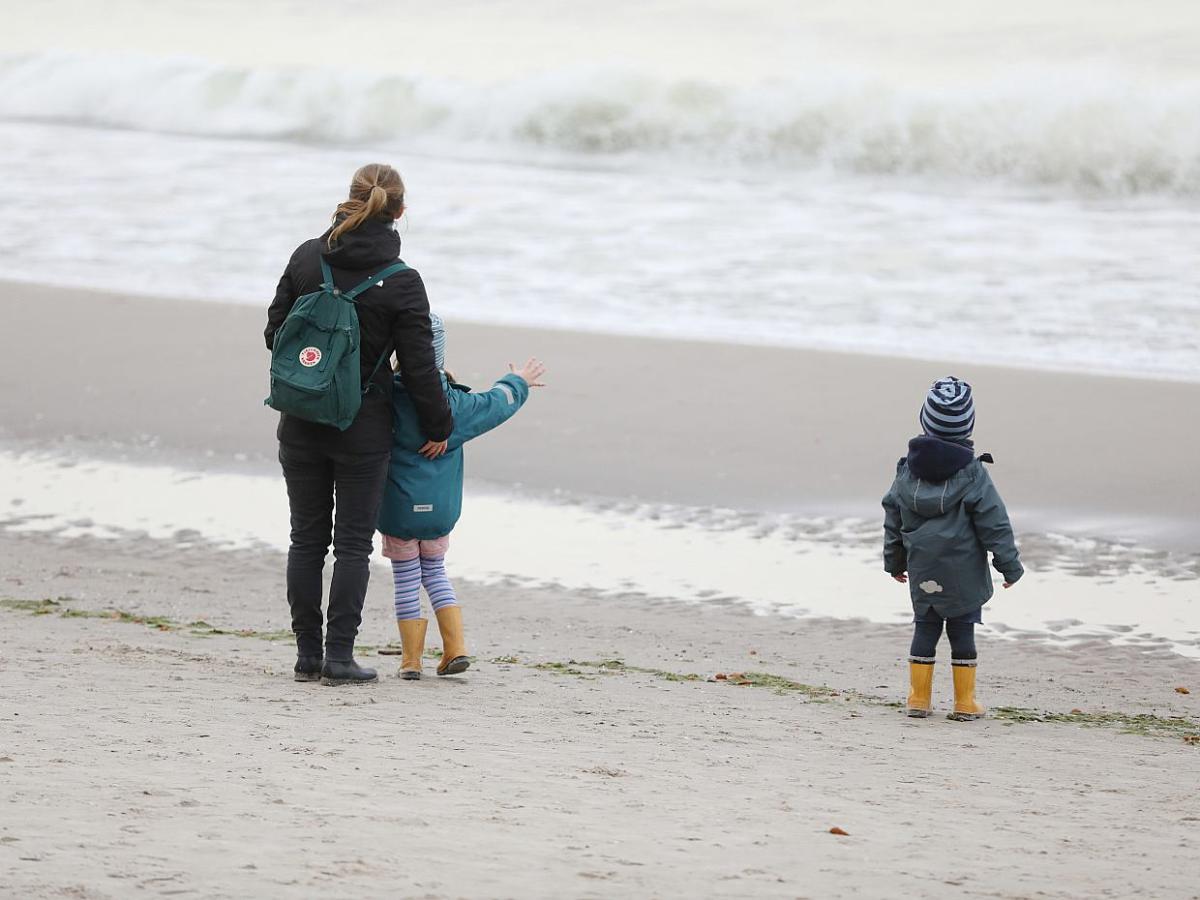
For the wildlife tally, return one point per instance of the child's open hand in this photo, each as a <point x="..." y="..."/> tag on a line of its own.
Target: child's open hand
<point x="531" y="371"/>
<point x="902" y="577"/>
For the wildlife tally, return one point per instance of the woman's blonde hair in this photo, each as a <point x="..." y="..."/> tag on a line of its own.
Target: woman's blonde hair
<point x="375" y="191"/>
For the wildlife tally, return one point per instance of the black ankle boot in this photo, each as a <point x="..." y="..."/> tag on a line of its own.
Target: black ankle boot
<point x="336" y="672"/>
<point x="308" y="668"/>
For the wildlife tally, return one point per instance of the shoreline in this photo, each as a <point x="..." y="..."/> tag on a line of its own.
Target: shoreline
<point x="1080" y="593"/>
<point x="769" y="430"/>
<point x="744" y="342"/>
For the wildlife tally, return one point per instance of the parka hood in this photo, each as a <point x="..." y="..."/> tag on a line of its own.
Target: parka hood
<point x="372" y="244"/>
<point x="935" y="476"/>
<point x="932" y="459"/>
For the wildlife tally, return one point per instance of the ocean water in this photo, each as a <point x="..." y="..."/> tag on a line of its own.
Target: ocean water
<point x="1019" y="186"/>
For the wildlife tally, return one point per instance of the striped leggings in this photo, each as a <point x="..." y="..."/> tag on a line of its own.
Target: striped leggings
<point x="410" y="575"/>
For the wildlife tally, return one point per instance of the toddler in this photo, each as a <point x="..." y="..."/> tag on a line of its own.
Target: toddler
<point x="942" y="517"/>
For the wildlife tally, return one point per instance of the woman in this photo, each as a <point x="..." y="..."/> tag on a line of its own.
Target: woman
<point x="321" y="463"/>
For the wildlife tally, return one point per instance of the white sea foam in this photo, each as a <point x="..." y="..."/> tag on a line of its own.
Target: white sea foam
<point x="806" y="569"/>
<point x="1101" y="129"/>
<point x="952" y="275"/>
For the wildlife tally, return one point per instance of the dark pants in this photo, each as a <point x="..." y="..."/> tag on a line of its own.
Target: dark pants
<point x="927" y="631"/>
<point x="315" y="477"/>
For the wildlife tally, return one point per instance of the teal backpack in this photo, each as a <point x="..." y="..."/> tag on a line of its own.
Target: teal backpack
<point x="316" y="371"/>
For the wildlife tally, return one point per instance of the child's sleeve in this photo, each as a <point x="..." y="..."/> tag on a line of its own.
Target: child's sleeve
<point x="895" y="560"/>
<point x="476" y="414"/>
<point x="994" y="529"/>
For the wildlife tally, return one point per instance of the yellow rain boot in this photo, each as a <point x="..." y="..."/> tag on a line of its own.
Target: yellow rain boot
<point x="412" y="646"/>
<point x="920" y="694"/>
<point x="454" y="648"/>
<point x="965" y="707"/>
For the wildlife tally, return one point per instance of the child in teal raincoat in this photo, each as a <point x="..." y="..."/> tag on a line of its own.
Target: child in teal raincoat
<point x="943" y="515"/>
<point x="422" y="501"/>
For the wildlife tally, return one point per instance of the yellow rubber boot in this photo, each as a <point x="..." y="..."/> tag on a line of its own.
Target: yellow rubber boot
<point x="454" y="647"/>
<point x="965" y="706"/>
<point x="412" y="645"/>
<point x="920" y="692"/>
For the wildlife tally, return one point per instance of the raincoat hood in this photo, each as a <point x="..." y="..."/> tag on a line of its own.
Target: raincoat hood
<point x="933" y="459"/>
<point x="931" y="499"/>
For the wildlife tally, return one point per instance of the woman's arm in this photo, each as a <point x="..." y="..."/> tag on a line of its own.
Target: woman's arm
<point x="412" y="336"/>
<point x="285" y="299"/>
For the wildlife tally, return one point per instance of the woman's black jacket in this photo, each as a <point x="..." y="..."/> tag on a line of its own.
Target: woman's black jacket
<point x="393" y="318"/>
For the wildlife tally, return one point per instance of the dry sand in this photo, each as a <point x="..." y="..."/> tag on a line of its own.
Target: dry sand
<point x="164" y="760"/>
<point x="665" y="421"/>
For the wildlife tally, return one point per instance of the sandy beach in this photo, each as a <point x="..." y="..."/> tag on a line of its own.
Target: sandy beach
<point x="154" y="742"/>
<point x="745" y="237"/>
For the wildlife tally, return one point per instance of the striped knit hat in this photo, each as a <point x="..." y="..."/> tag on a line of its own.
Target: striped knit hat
<point x="949" y="411"/>
<point x="439" y="340"/>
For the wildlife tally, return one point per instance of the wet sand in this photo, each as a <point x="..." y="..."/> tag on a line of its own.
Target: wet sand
<point x="664" y="421"/>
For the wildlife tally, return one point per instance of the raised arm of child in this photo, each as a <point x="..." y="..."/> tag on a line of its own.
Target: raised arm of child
<point x="476" y="414"/>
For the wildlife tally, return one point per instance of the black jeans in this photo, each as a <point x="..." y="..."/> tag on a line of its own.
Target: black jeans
<point x="928" y="631"/>
<point x="315" y="477"/>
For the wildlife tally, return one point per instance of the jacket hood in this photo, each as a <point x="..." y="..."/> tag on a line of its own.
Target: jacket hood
<point x="932" y="459"/>
<point x="372" y="244"/>
<point x="935" y="476"/>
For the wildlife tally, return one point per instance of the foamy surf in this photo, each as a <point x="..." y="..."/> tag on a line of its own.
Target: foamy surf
<point x="826" y="568"/>
<point x="791" y="260"/>
<point x="1104" y="130"/>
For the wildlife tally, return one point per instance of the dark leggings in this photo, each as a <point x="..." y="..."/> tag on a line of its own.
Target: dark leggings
<point x="315" y="477"/>
<point x="927" y="632"/>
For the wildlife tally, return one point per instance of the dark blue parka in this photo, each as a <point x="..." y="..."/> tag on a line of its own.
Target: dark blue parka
<point x="422" y="498"/>
<point x="942" y="517"/>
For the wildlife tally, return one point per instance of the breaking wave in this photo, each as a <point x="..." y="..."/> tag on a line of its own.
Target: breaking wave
<point x="1100" y="130"/>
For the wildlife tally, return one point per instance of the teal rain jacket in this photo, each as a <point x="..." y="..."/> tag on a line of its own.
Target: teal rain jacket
<point x="422" y="498"/>
<point x="942" y="516"/>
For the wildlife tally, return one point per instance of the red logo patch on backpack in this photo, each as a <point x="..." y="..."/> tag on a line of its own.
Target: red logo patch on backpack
<point x="309" y="357"/>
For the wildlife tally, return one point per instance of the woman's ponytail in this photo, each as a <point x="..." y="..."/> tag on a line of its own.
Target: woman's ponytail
<point x="376" y="192"/>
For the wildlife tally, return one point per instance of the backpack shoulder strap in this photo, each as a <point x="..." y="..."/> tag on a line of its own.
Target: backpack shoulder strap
<point x="378" y="365"/>
<point x="352" y="295"/>
<point x="397" y="266"/>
